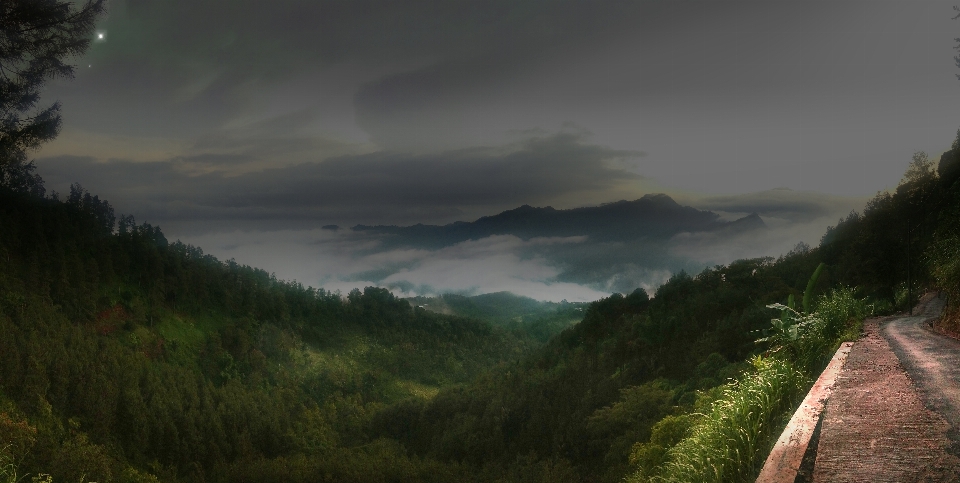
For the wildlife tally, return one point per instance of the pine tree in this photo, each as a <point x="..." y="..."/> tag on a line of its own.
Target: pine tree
<point x="36" y="37"/>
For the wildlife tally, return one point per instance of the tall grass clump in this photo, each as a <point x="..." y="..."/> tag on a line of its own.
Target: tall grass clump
<point x="730" y="441"/>
<point x="8" y="470"/>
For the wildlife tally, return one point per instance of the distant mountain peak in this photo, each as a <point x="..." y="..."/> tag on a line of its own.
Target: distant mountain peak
<point x="653" y="216"/>
<point x="659" y="197"/>
<point x="746" y="223"/>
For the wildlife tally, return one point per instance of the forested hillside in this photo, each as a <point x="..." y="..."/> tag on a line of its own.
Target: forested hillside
<point x="125" y="357"/>
<point x="126" y="353"/>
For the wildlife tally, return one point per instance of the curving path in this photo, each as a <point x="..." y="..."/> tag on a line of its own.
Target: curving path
<point x="932" y="361"/>
<point x="878" y="425"/>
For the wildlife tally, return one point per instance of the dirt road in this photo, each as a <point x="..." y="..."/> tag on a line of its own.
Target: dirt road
<point x="933" y="363"/>
<point x="878" y="426"/>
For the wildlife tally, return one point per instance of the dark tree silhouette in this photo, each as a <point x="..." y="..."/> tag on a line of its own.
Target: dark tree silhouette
<point x="36" y="39"/>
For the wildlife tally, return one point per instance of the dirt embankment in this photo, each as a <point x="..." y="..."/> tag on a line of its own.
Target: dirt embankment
<point x="948" y="324"/>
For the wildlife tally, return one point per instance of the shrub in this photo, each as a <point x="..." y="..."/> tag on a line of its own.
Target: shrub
<point x="809" y="340"/>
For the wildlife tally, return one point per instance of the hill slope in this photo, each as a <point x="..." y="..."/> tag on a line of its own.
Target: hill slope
<point x="124" y="354"/>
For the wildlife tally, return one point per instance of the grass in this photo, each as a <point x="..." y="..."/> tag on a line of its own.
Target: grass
<point x="8" y="470"/>
<point x="730" y="441"/>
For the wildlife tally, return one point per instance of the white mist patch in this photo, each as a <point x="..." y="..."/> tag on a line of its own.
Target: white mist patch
<point x="710" y="248"/>
<point x="575" y="268"/>
<point x="491" y="264"/>
<point x="648" y="279"/>
<point x="790" y="216"/>
<point x="342" y="260"/>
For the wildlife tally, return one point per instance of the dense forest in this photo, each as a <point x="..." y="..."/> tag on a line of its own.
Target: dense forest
<point x="131" y="349"/>
<point x="126" y="357"/>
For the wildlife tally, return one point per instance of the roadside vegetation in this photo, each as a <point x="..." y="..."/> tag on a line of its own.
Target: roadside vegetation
<point x="729" y="440"/>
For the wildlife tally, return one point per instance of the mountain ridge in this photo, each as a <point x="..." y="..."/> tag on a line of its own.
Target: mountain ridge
<point x="653" y="216"/>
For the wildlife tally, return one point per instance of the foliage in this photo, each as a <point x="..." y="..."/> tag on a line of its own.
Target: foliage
<point x="35" y="38"/>
<point x="600" y="386"/>
<point x="541" y="320"/>
<point x="943" y="258"/>
<point x="948" y="169"/>
<point x="665" y="434"/>
<point x="133" y="356"/>
<point x="881" y="248"/>
<point x="808" y="292"/>
<point x="809" y="339"/>
<point x="731" y="440"/>
<point x="919" y="170"/>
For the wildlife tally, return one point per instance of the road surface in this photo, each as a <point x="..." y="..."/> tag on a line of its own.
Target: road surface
<point x="878" y="425"/>
<point x="933" y="363"/>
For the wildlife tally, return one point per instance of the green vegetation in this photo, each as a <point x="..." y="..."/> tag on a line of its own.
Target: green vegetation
<point x="130" y="358"/>
<point x="128" y="354"/>
<point x="730" y="441"/>
<point x="943" y="255"/>
<point x="542" y="320"/>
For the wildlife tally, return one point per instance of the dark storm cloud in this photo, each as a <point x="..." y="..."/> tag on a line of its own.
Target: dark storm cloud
<point x="725" y="96"/>
<point x="249" y="124"/>
<point x="378" y="187"/>
<point x="219" y="45"/>
<point x="267" y="35"/>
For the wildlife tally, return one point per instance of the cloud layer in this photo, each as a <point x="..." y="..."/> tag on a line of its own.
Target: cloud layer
<point x="380" y="187"/>
<point x="547" y="268"/>
<point x="270" y="119"/>
<point x="726" y="98"/>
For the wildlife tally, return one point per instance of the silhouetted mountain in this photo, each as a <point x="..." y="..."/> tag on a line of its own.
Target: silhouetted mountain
<point x="652" y="217"/>
<point x="742" y="225"/>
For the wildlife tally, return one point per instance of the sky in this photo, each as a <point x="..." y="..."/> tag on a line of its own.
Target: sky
<point x="245" y="126"/>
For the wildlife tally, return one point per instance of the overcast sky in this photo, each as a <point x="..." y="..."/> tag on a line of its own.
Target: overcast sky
<point x="225" y="118"/>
